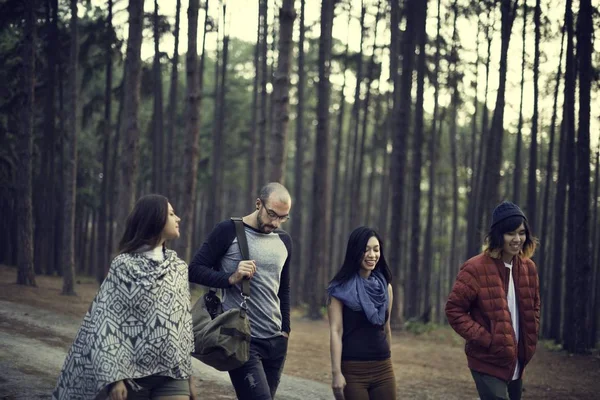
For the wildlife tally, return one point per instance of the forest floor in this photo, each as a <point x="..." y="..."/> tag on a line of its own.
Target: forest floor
<point x="37" y="326"/>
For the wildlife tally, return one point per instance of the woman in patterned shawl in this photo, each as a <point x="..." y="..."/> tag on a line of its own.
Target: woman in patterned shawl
<point x="136" y="339"/>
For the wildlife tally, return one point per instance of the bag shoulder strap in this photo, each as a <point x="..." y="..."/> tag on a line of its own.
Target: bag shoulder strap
<point x="240" y="232"/>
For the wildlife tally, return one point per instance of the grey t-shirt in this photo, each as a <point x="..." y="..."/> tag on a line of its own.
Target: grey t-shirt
<point x="269" y="303"/>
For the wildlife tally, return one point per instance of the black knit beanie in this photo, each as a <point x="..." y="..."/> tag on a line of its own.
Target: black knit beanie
<point x="505" y="210"/>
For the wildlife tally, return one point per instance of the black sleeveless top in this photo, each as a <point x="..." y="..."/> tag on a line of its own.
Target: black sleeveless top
<point x="361" y="340"/>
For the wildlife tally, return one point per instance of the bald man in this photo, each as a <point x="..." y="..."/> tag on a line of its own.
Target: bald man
<point x="219" y="264"/>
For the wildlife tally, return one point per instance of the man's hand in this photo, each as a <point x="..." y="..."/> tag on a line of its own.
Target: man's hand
<point x="193" y="393"/>
<point x="118" y="391"/>
<point x="285" y="334"/>
<point x="245" y="269"/>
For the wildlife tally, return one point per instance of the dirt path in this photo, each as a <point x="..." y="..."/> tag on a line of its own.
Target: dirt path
<point x="37" y="326"/>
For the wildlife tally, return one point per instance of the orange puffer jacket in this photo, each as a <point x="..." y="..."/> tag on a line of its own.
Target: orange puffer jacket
<point x="477" y="309"/>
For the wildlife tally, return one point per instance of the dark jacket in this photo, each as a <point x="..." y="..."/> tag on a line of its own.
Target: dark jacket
<point x="477" y="309"/>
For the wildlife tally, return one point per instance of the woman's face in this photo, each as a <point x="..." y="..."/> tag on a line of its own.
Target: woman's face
<point x="370" y="257"/>
<point x="171" y="229"/>
<point x="513" y="243"/>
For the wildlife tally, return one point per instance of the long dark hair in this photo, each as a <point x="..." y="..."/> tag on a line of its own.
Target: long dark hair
<point x="145" y="223"/>
<point x="355" y="252"/>
<point x="494" y="240"/>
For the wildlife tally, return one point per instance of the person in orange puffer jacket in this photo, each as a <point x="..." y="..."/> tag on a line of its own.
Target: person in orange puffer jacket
<point x="495" y="306"/>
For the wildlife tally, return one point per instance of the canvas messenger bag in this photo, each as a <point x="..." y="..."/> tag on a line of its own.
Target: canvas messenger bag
<point x="222" y="339"/>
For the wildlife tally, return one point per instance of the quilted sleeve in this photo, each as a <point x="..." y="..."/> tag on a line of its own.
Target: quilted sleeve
<point x="536" y="295"/>
<point x="464" y="293"/>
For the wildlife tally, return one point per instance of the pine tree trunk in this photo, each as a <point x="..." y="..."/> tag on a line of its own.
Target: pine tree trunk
<point x="253" y="142"/>
<point x="103" y="253"/>
<point x="45" y="206"/>
<point x="157" y="130"/>
<point x="361" y="215"/>
<point x="474" y="231"/>
<point x="493" y="158"/>
<point x="281" y="95"/>
<point x="453" y="82"/>
<point x="70" y="163"/>
<point x="581" y="268"/>
<point x="24" y="150"/>
<point x="414" y="293"/>
<point x="297" y="223"/>
<point x="321" y="190"/>
<point x="192" y="133"/>
<point x="516" y="198"/>
<point x="561" y="189"/>
<point x="545" y="270"/>
<point x="594" y="310"/>
<point x="570" y="170"/>
<point x="401" y="112"/>
<point x="433" y="137"/>
<point x="170" y="173"/>
<point x="215" y="195"/>
<point x="263" y="153"/>
<point x="533" y="147"/>
<point x="351" y="162"/>
<point x="339" y="208"/>
<point x="131" y="135"/>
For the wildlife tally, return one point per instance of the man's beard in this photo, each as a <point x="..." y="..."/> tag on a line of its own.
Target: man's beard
<point x="262" y="226"/>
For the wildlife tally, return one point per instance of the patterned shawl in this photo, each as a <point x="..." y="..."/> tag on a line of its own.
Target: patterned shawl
<point x="139" y="324"/>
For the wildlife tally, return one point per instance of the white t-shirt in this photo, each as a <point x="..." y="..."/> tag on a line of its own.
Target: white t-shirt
<point x="513" y="307"/>
<point x="155" y="253"/>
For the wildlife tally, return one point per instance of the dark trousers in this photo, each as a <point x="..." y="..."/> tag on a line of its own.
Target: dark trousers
<point x="258" y="378"/>
<point x="491" y="388"/>
<point x="369" y="380"/>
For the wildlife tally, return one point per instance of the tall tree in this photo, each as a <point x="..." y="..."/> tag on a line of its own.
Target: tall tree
<point x="131" y="100"/>
<point x="46" y="205"/>
<point x="351" y="161"/>
<point x="401" y="114"/>
<point x="25" y="275"/>
<point x="281" y="89"/>
<point x="170" y="188"/>
<point x="561" y="184"/>
<point x="252" y="139"/>
<point x="533" y="147"/>
<point x="428" y="239"/>
<point x="545" y="270"/>
<point x="493" y="156"/>
<point x="338" y="209"/>
<point x="518" y="156"/>
<point x="70" y="162"/>
<point x="415" y="234"/>
<point x="297" y="223"/>
<point x="474" y="219"/>
<point x="453" y="78"/>
<point x="215" y="196"/>
<point x="157" y="130"/>
<point x="595" y="305"/>
<point x="192" y="132"/>
<point x="103" y="253"/>
<point x="581" y="267"/>
<point x="360" y="166"/>
<point x="263" y="151"/>
<point x="321" y="190"/>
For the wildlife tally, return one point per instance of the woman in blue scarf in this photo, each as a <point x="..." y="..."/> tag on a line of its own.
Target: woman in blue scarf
<point x="360" y="302"/>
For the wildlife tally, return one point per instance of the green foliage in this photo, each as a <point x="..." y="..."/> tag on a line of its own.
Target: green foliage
<point x="419" y="328"/>
<point x="551" y="345"/>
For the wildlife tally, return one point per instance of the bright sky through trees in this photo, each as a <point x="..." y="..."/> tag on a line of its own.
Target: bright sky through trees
<point x="243" y="20"/>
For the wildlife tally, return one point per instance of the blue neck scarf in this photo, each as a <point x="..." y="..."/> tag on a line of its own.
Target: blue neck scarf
<point x="369" y="295"/>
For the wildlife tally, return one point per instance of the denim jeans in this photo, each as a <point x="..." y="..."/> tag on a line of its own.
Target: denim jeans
<point x="492" y="388"/>
<point x="258" y="378"/>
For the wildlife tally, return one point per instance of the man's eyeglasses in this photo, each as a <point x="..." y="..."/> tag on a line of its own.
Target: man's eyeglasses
<point x="273" y="215"/>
